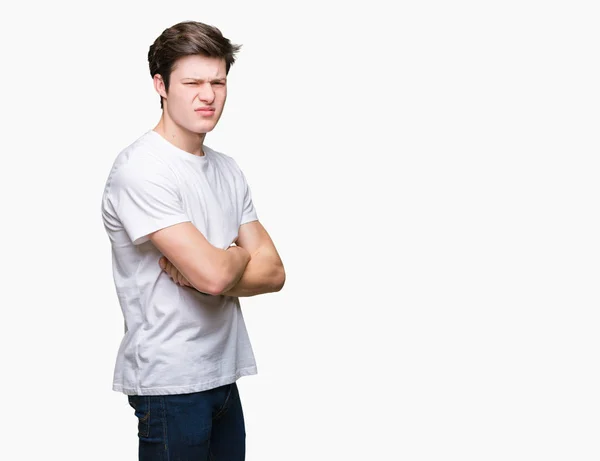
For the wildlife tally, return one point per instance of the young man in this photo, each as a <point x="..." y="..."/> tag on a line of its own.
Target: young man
<point x="186" y="244"/>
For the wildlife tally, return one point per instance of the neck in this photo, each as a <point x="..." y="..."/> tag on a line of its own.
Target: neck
<point x="180" y="137"/>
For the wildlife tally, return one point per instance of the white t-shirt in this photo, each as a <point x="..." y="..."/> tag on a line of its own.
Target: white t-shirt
<point x="176" y="340"/>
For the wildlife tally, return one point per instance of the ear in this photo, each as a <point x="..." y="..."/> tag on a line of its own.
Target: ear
<point x="159" y="86"/>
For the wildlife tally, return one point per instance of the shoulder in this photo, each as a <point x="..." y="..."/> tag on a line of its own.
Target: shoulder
<point x="139" y="162"/>
<point x="136" y="169"/>
<point x="138" y="165"/>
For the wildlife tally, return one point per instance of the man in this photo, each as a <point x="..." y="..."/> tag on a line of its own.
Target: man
<point x="186" y="244"/>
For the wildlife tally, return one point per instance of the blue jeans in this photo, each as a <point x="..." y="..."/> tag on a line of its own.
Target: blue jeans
<point x="203" y="426"/>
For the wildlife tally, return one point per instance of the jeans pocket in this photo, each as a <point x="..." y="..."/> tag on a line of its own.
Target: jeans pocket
<point x="141" y="405"/>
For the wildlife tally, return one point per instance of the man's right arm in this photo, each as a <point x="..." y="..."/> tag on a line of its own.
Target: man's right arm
<point x="146" y="199"/>
<point x="209" y="269"/>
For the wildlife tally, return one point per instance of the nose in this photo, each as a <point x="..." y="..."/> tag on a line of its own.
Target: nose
<point x="206" y="93"/>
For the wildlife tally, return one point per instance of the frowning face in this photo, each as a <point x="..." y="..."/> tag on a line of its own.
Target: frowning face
<point x="197" y="92"/>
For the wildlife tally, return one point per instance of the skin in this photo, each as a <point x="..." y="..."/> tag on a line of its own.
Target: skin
<point x="195" y="82"/>
<point x="251" y="265"/>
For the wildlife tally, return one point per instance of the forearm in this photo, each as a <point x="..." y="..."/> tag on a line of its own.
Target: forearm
<point x="238" y="261"/>
<point x="263" y="274"/>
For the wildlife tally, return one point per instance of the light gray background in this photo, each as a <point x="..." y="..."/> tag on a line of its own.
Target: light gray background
<point x="429" y="173"/>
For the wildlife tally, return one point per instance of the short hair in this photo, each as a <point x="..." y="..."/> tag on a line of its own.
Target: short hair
<point x="185" y="39"/>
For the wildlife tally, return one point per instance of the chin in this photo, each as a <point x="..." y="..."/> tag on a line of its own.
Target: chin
<point x="202" y="129"/>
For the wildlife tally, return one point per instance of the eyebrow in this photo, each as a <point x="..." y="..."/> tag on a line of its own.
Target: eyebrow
<point x="218" y="79"/>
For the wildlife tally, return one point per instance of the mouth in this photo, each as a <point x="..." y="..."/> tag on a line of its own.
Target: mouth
<point x="205" y="111"/>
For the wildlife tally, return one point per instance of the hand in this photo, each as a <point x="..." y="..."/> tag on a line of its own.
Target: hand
<point x="172" y="272"/>
<point x="237" y="248"/>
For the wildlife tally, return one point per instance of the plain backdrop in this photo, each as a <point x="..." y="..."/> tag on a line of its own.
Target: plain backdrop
<point x="429" y="173"/>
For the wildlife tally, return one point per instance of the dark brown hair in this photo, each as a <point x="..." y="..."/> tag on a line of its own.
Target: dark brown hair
<point x="185" y="39"/>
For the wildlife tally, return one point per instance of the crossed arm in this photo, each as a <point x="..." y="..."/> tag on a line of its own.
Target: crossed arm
<point x="250" y="267"/>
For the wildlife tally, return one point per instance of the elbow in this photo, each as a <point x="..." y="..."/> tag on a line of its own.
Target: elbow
<point x="216" y="290"/>
<point x="279" y="279"/>
<point x="212" y="288"/>
<point x="219" y="277"/>
<point x="215" y="285"/>
<point x="219" y="288"/>
<point x="219" y="285"/>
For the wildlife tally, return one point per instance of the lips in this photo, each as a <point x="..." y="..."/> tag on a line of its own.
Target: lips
<point x="205" y="110"/>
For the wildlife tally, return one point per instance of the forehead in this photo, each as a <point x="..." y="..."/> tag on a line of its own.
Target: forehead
<point x="197" y="66"/>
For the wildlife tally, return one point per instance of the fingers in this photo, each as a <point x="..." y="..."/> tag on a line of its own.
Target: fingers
<point x="172" y="272"/>
<point x="180" y="278"/>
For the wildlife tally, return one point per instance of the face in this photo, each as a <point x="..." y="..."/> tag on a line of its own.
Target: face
<point x="197" y="93"/>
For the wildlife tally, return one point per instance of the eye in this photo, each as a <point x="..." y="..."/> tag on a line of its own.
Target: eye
<point x="219" y="83"/>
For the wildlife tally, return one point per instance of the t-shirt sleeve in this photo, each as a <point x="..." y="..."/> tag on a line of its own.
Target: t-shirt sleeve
<point x="146" y="200"/>
<point x="249" y="212"/>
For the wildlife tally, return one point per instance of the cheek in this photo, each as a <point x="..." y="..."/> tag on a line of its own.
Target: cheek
<point x="176" y="98"/>
<point x="179" y="106"/>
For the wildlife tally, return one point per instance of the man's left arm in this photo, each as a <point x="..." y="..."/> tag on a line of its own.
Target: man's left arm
<point x="265" y="272"/>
